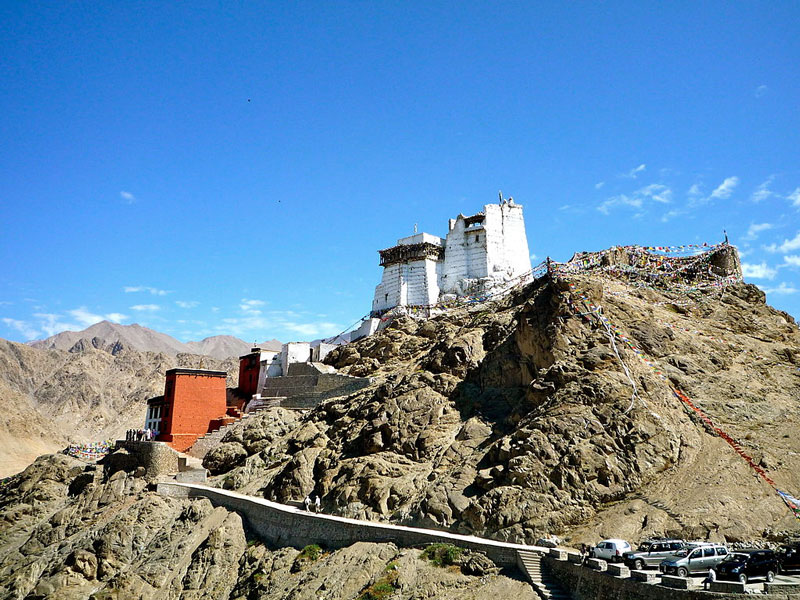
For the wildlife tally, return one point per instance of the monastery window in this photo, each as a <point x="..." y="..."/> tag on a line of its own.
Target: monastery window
<point x="386" y="297"/>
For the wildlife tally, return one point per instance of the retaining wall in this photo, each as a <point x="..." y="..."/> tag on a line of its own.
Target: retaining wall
<point x="283" y="525"/>
<point x="157" y="458"/>
<point x="585" y="584"/>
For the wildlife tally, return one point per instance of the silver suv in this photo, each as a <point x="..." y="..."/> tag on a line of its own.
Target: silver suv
<point x="651" y="552"/>
<point x="694" y="560"/>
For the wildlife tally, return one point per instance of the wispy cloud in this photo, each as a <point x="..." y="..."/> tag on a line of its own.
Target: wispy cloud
<point x="132" y="289"/>
<point x="599" y="184"/>
<point x="534" y="257"/>
<point x="28" y="331"/>
<point x="725" y="189"/>
<point x="760" y="91"/>
<point x="51" y="324"/>
<point x="787" y="245"/>
<point x="783" y="288"/>
<point x="655" y="192"/>
<point x="762" y="192"/>
<point x="795" y="197"/>
<point x="251" y="307"/>
<point x="145" y="307"/>
<point x="760" y="271"/>
<point x="86" y="318"/>
<point x="619" y="200"/>
<point x="633" y="173"/>
<point x="127" y="197"/>
<point x="755" y="229"/>
<point x="187" y="304"/>
<point x="792" y="260"/>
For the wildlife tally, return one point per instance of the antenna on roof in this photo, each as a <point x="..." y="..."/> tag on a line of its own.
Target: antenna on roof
<point x="500" y="193"/>
<point x="415" y="228"/>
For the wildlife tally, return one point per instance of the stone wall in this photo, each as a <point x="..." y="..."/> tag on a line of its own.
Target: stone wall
<point x="283" y="525"/>
<point x="586" y="584"/>
<point x="157" y="458"/>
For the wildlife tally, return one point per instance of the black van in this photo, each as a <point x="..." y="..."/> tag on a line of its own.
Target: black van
<point x="744" y="565"/>
<point x="789" y="557"/>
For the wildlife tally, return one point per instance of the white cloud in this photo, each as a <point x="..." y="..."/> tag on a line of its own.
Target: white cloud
<point x="792" y="260"/>
<point x="695" y="191"/>
<point x="763" y="192"/>
<point x="635" y="171"/>
<point x="28" y="331"/>
<point x="187" y="304"/>
<point x="795" y="197"/>
<point x="620" y="200"/>
<point x="656" y="191"/>
<point x="760" y="271"/>
<point x="145" y="307"/>
<point x="783" y="288"/>
<point x="787" y="245"/>
<point x="725" y="189"/>
<point x="128" y="197"/>
<point x="755" y="229"/>
<point x="131" y="289"/>
<point x="250" y="307"/>
<point x="87" y="319"/>
<point x="533" y="256"/>
<point x="760" y="91"/>
<point x="313" y="329"/>
<point x="599" y="184"/>
<point x="671" y="214"/>
<point x="51" y="324"/>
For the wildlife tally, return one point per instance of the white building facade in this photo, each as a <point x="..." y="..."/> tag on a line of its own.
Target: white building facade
<point x="480" y="253"/>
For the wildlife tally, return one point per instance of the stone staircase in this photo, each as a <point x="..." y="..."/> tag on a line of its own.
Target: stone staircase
<point x="210" y="440"/>
<point x="546" y="586"/>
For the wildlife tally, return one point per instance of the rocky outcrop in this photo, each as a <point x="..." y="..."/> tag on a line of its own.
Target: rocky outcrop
<point x="516" y="419"/>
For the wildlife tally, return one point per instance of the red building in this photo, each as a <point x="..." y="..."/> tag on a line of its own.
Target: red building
<point x="194" y="403"/>
<point x="249" y="367"/>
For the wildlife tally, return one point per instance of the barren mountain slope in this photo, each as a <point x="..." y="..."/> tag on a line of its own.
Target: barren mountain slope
<point x="70" y="532"/>
<point x="513" y="419"/>
<point x="49" y="398"/>
<point x="113" y="338"/>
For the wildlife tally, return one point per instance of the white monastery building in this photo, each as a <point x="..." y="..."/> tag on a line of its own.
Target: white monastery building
<point x="480" y="254"/>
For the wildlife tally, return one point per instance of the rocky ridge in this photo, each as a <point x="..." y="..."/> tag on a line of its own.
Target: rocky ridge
<point x="508" y="419"/>
<point x="516" y="418"/>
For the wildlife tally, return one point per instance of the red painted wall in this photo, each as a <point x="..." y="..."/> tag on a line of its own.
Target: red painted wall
<point x="249" y="366"/>
<point x="194" y="400"/>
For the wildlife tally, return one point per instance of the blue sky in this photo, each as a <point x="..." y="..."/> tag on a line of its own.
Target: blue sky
<point x="217" y="168"/>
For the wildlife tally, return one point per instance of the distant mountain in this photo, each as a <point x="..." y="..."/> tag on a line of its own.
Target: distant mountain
<point x="113" y="338"/>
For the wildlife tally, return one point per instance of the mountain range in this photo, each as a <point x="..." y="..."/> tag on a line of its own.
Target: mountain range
<point x="113" y="338"/>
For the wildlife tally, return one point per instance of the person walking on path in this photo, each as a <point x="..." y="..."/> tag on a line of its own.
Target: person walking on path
<point x="710" y="578"/>
<point x="307" y="502"/>
<point x="317" y="504"/>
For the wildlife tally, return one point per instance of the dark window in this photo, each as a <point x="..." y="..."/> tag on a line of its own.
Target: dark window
<point x="708" y="551"/>
<point x="386" y="297"/>
<point x="722" y="551"/>
<point x="675" y="546"/>
<point x="696" y="553"/>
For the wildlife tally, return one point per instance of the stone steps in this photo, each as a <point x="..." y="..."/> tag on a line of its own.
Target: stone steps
<point x="546" y="586"/>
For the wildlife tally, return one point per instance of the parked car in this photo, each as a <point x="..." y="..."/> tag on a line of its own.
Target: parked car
<point x="745" y="564"/>
<point x="650" y="553"/>
<point x="611" y="550"/>
<point x="697" y="559"/>
<point x="789" y="557"/>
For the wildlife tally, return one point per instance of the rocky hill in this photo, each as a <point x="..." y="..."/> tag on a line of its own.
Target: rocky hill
<point x="49" y="398"/>
<point x="555" y="409"/>
<point x="113" y="338"/>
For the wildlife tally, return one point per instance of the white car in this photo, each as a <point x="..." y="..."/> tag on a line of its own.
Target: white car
<point x="611" y="550"/>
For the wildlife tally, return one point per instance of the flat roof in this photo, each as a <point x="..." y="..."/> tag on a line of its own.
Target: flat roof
<point x="206" y="372"/>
